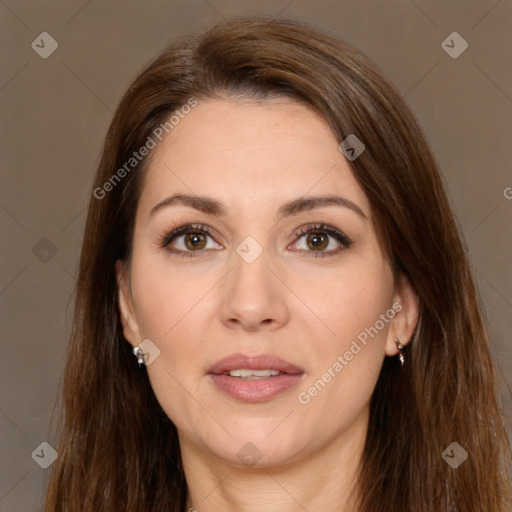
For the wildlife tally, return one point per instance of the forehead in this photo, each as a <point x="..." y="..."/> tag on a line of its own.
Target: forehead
<point x="250" y="155"/>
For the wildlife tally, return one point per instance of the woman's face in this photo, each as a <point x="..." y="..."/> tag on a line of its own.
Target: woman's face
<point x="266" y="272"/>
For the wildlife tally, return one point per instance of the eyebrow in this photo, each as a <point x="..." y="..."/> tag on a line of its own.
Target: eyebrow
<point x="214" y="207"/>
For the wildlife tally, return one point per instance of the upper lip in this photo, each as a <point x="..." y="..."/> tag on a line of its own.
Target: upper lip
<point x="254" y="362"/>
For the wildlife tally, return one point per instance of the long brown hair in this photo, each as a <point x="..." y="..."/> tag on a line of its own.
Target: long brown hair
<point x="118" y="450"/>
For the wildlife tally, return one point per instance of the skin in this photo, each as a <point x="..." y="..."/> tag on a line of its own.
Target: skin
<point x="254" y="157"/>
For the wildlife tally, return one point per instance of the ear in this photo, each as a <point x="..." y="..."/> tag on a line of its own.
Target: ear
<point x="125" y="304"/>
<point x="406" y="305"/>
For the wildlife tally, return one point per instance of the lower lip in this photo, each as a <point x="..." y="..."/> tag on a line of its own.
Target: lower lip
<point x="256" y="390"/>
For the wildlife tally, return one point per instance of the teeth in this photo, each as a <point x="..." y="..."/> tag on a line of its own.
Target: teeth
<point x="254" y="374"/>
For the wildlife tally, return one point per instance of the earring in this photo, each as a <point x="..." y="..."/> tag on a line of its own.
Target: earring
<point x="140" y="355"/>
<point x="401" y="348"/>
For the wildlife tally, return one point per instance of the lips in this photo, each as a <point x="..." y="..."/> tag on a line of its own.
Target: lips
<point x="254" y="362"/>
<point x="245" y="386"/>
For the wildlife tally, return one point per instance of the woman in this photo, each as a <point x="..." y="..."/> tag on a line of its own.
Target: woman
<point x="274" y="308"/>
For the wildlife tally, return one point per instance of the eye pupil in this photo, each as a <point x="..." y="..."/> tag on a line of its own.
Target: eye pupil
<point x="191" y="240"/>
<point x="318" y="240"/>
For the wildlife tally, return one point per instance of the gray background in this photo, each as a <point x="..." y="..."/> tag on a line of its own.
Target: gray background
<point x="55" y="113"/>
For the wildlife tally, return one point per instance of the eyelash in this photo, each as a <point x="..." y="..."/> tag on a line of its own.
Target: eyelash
<point x="343" y="239"/>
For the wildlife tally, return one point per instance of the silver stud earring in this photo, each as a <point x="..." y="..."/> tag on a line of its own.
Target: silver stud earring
<point x="400" y="348"/>
<point x="140" y="355"/>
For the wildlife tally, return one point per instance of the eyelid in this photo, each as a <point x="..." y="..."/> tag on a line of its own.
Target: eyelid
<point x="331" y="231"/>
<point x="183" y="229"/>
<point x="165" y="240"/>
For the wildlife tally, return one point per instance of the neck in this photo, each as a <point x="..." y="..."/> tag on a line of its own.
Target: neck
<point x="320" y="481"/>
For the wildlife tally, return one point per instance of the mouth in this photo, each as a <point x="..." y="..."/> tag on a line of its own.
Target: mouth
<point x="262" y="365"/>
<point x="254" y="378"/>
<point x="247" y="374"/>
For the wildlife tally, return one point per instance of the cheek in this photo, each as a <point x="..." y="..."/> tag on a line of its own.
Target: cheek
<point x="168" y="309"/>
<point x="165" y="300"/>
<point x="346" y="359"/>
<point x="350" y="301"/>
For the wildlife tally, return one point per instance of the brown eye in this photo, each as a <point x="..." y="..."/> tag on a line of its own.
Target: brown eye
<point x="189" y="240"/>
<point x="317" y="241"/>
<point x="195" y="241"/>
<point x="321" y="240"/>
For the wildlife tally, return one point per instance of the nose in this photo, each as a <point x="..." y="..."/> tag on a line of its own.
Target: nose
<point x="253" y="297"/>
